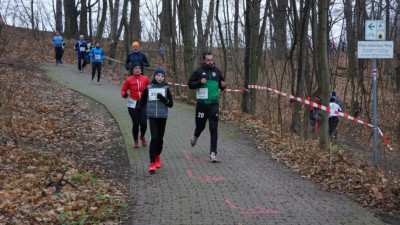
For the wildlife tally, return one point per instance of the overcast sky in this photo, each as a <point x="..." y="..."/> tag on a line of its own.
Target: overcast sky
<point x="149" y="10"/>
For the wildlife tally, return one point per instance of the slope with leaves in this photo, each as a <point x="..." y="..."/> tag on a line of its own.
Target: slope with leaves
<point x="56" y="154"/>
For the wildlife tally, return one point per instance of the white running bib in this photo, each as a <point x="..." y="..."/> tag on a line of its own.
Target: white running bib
<point x="153" y="93"/>
<point x="202" y="93"/>
<point x="131" y="103"/>
<point x="83" y="49"/>
<point x="97" y="57"/>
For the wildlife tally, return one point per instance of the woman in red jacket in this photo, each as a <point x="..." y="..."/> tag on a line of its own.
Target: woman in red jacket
<point x="136" y="84"/>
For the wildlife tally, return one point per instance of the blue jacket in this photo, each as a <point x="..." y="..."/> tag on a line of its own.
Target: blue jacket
<point x="81" y="44"/>
<point x="95" y="52"/>
<point x="134" y="58"/>
<point x="58" y="41"/>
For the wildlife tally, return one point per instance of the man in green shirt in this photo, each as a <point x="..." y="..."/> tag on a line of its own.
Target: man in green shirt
<point x="208" y="80"/>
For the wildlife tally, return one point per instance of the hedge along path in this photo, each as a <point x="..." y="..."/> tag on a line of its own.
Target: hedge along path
<point x="246" y="187"/>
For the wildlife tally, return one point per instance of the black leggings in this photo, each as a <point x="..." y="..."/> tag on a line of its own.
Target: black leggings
<point x="96" y="66"/>
<point x="210" y="112"/>
<point x="138" y="118"/>
<point x="333" y="122"/>
<point x="59" y="53"/>
<point x="157" y="130"/>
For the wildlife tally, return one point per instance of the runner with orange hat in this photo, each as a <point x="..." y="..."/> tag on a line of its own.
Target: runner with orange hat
<point x="136" y="57"/>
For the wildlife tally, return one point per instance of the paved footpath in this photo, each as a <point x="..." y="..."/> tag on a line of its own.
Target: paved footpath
<point x="246" y="187"/>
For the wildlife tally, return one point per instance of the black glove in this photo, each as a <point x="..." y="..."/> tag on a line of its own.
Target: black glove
<point x="126" y="95"/>
<point x="162" y="98"/>
<point x="127" y="68"/>
<point x="138" y="106"/>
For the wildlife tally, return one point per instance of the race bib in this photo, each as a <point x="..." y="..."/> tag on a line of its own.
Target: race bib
<point x="83" y="49"/>
<point x="202" y="93"/>
<point x="97" y="56"/>
<point x="131" y="103"/>
<point x="154" y="91"/>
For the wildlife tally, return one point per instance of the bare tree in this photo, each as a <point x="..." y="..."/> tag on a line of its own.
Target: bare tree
<point x="236" y="26"/>
<point x="301" y="63"/>
<point x="323" y="54"/>
<point x="186" y="20"/>
<point x="59" y="25"/>
<point x="71" y="22"/>
<point x="202" y="35"/>
<point x="221" y="36"/>
<point x="83" y="19"/>
<point x="114" y="28"/>
<point x="254" y="39"/>
<point x="172" y="26"/>
<point x="165" y="20"/>
<point x="123" y="23"/>
<point x="33" y="20"/>
<point x="279" y="22"/>
<point x="89" y="8"/>
<point x="134" y="23"/>
<point x="100" y="26"/>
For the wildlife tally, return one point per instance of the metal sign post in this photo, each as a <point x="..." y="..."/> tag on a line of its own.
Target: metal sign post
<point x="375" y="47"/>
<point x="375" y="113"/>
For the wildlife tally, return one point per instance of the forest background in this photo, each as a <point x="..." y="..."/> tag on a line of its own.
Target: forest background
<point x="279" y="44"/>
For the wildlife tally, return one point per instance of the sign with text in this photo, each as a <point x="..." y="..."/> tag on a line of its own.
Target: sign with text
<point x="375" y="49"/>
<point x="375" y="30"/>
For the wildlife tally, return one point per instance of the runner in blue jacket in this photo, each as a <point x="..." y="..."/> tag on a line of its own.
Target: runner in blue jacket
<point x="58" y="42"/>
<point x="97" y="55"/>
<point x="81" y="46"/>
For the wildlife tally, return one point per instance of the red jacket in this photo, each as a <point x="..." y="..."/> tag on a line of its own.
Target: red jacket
<point x="136" y="85"/>
<point x="315" y="101"/>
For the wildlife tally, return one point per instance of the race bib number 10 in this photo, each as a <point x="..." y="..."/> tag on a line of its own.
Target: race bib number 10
<point x="131" y="103"/>
<point x="202" y="93"/>
<point x="153" y="93"/>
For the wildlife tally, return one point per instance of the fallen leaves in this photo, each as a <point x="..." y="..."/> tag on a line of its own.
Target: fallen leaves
<point x="47" y="138"/>
<point x="337" y="170"/>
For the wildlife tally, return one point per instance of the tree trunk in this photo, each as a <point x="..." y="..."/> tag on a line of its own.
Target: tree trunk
<point x="186" y="18"/>
<point x="59" y="25"/>
<point x="316" y="61"/>
<point x="323" y="57"/>
<point x="279" y="38"/>
<point x="165" y="32"/>
<point x="114" y="29"/>
<point x="202" y="36"/>
<point x="134" y="23"/>
<point x="33" y="20"/>
<point x="100" y="27"/>
<point x="71" y="22"/>
<point x="254" y="39"/>
<point x="221" y="36"/>
<point x="172" y="26"/>
<point x="89" y="8"/>
<point x="122" y="24"/>
<point x="114" y="19"/>
<point x="351" y="58"/>
<point x="236" y="26"/>
<point x="301" y="66"/>
<point x="83" y="19"/>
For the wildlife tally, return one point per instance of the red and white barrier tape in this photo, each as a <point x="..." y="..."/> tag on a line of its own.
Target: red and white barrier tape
<point x="327" y="109"/>
<point x="231" y="90"/>
<point x="181" y="85"/>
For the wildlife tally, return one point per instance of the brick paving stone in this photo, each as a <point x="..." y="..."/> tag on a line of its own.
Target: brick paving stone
<point x="255" y="181"/>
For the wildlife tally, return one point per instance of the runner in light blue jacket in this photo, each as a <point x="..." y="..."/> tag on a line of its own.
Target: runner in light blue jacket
<point x="97" y="55"/>
<point x="58" y="42"/>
